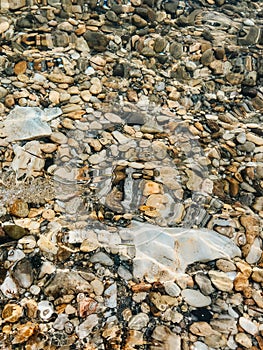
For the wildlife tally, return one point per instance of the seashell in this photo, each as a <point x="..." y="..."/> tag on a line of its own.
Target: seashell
<point x="138" y="321"/>
<point x="9" y="287"/>
<point x="46" y="310"/>
<point x="69" y="327"/>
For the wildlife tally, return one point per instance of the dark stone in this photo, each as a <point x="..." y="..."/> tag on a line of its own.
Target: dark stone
<point x="111" y="16"/>
<point x="213" y="126"/>
<point x="176" y="50"/>
<point x="92" y="4"/>
<point x="207" y="35"/>
<point x="171" y="6"/>
<point x="117" y="9"/>
<point x="15" y="232"/>
<point x="133" y="118"/>
<point x="202" y="314"/>
<point x="219" y="53"/>
<point x="162" y="58"/>
<point x="180" y="74"/>
<point x="26" y="22"/>
<point x="118" y="70"/>
<point x="249" y="36"/>
<point x="207" y="57"/>
<point x="249" y="91"/>
<point x="260" y="67"/>
<point x="146" y="13"/>
<point x="96" y="41"/>
<point x="61" y="39"/>
<point x="150" y="3"/>
<point x="159" y="44"/>
<point x="148" y="52"/>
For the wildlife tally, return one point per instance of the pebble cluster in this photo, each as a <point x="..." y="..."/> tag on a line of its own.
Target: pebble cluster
<point x="131" y="174"/>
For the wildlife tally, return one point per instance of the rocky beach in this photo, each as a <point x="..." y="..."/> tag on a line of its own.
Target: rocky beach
<point x="131" y="174"/>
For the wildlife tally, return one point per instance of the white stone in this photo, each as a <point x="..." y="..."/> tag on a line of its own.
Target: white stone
<point x="172" y="289"/>
<point x="249" y="326"/>
<point x="195" y="298"/>
<point x="9" y="288"/>
<point x="122" y="139"/>
<point x="25" y="123"/>
<point x="255" y="252"/>
<point x="163" y="253"/>
<point x="198" y="345"/>
<point x="110" y="296"/>
<point x="114" y="118"/>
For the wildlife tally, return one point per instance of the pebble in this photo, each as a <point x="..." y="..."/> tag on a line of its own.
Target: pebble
<point x="221" y="281"/>
<point x="19" y="208"/>
<point x="244" y="340"/>
<point x="195" y="298"/>
<point x="248" y="326"/>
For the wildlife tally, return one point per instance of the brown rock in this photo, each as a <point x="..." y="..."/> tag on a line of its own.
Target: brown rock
<point x="24" y="332"/>
<point x="233" y="186"/>
<point x="19" y="208"/>
<point x="20" y="67"/>
<point x="139" y="21"/>
<point x="244" y="340"/>
<point x="257" y="275"/>
<point x="60" y="78"/>
<point x="132" y="95"/>
<point x="217" y="67"/>
<point x="234" y="78"/>
<point x="96" y="41"/>
<point x="9" y="101"/>
<point x="12" y="312"/>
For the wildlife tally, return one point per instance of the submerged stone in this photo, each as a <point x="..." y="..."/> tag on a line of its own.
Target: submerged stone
<point x="162" y="253"/>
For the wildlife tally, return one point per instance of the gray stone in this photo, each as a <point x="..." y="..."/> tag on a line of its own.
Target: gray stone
<point x="195" y="298"/>
<point x="101" y="258"/>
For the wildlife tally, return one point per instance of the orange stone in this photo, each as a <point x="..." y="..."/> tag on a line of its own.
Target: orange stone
<point x="20" y="67"/>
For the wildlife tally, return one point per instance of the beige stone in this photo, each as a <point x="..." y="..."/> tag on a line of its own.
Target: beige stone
<point x="221" y="281"/>
<point x="202" y="329"/>
<point x="244" y="340"/>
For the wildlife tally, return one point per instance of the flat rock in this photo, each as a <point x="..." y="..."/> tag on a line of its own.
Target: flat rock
<point x="25" y="123"/>
<point x="168" y="251"/>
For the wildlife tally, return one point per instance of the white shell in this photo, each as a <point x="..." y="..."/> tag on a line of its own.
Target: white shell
<point x="9" y="287"/>
<point x="46" y="310"/>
